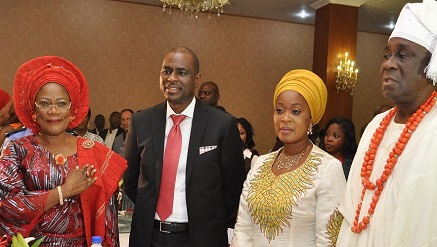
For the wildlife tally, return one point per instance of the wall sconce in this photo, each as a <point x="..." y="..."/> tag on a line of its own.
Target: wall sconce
<point x="347" y="75"/>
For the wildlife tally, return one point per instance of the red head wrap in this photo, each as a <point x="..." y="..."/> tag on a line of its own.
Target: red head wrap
<point x="4" y="98"/>
<point x="34" y="74"/>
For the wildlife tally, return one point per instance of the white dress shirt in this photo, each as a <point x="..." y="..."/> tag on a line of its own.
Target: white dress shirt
<point x="110" y="137"/>
<point x="179" y="213"/>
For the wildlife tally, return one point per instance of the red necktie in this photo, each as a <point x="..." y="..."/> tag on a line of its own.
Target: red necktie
<point x="169" y="168"/>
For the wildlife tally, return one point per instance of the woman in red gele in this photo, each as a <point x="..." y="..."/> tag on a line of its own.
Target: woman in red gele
<point x="53" y="184"/>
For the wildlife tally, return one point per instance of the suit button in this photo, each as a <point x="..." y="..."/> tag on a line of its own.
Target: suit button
<point x="150" y="230"/>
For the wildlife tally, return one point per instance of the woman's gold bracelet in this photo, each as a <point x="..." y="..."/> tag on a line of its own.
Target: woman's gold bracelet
<point x="61" y="199"/>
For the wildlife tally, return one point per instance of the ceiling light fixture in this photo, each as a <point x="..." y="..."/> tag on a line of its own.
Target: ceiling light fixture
<point x="391" y="25"/>
<point x="303" y="14"/>
<point x="196" y="5"/>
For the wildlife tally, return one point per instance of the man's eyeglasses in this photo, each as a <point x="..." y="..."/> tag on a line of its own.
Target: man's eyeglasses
<point x="206" y="93"/>
<point x="61" y="106"/>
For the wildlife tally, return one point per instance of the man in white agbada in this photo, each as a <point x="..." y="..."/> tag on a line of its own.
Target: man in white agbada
<point x="397" y="191"/>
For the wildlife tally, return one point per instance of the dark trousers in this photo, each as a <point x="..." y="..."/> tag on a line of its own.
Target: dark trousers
<point x="161" y="239"/>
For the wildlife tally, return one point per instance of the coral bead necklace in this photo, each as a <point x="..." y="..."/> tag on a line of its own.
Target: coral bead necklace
<point x="397" y="150"/>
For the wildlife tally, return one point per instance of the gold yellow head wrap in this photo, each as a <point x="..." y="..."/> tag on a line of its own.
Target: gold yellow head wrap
<point x="310" y="86"/>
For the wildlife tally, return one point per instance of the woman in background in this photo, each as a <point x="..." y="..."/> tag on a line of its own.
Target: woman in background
<point x="340" y="142"/>
<point x="290" y="195"/>
<point x="246" y="135"/>
<point x="52" y="183"/>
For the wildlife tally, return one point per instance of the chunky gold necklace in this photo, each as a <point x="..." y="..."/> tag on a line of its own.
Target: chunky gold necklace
<point x="288" y="161"/>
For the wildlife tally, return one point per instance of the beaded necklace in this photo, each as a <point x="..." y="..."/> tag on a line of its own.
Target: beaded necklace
<point x="288" y="161"/>
<point x="397" y="150"/>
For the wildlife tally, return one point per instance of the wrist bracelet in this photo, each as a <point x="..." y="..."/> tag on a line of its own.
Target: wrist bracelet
<point x="61" y="199"/>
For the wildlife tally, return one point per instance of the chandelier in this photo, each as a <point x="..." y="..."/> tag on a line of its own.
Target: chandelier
<point x="196" y="5"/>
<point x="347" y="75"/>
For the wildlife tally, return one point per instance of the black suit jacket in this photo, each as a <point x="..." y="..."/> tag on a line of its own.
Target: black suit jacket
<point x="214" y="179"/>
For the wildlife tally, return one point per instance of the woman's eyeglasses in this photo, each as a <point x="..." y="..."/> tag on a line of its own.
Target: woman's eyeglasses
<point x="61" y="106"/>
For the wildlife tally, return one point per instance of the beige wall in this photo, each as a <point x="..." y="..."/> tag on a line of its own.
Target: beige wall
<point x="120" y="46"/>
<point x="368" y="95"/>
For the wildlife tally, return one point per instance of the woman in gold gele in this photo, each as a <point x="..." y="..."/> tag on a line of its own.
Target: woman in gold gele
<point x="290" y="194"/>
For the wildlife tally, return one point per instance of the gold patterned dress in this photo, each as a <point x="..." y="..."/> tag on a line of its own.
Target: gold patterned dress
<point x="292" y="209"/>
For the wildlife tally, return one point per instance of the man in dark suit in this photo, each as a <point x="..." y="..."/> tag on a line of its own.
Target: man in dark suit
<point x="209" y="93"/>
<point x="210" y="170"/>
<point x="99" y="122"/>
<point x="114" y="130"/>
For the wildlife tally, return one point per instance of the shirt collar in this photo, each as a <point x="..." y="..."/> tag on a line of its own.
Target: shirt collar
<point x="189" y="111"/>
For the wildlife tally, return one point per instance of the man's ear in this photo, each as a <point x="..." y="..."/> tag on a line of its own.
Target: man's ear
<point x="197" y="79"/>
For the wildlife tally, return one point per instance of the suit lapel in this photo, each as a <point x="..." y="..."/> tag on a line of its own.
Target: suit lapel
<point x="158" y="136"/>
<point x="200" y="120"/>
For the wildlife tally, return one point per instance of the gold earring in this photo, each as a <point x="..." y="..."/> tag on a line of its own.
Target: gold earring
<point x="34" y="117"/>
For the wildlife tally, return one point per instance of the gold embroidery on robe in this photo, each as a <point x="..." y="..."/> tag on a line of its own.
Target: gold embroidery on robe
<point x="271" y="198"/>
<point x="333" y="227"/>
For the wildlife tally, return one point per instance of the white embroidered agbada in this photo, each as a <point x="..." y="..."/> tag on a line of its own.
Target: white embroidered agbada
<point x="406" y="211"/>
